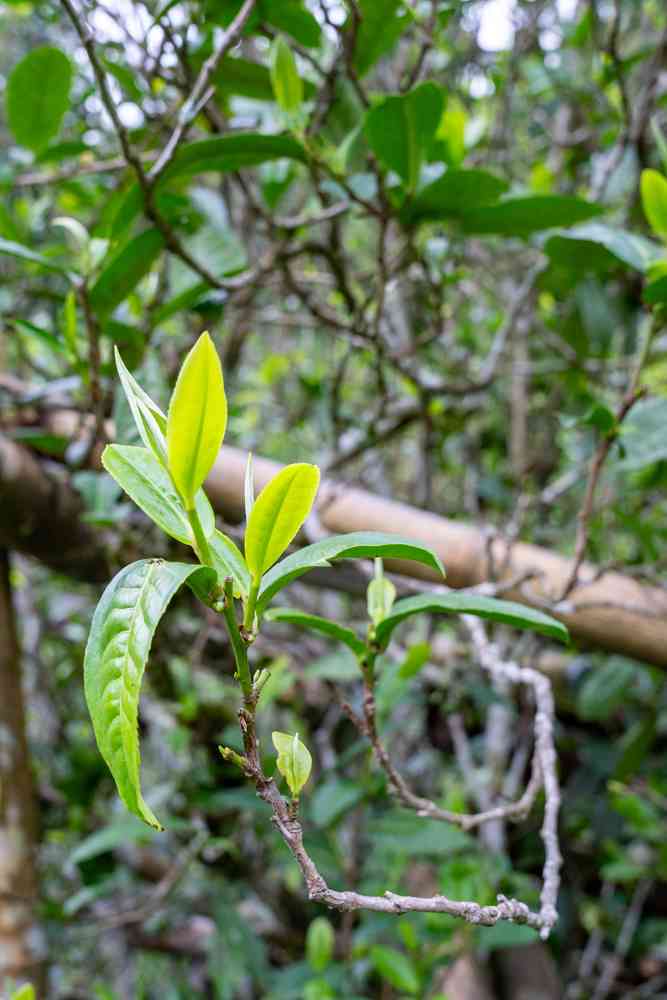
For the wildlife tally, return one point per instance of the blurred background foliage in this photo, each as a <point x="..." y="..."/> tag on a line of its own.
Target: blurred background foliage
<point x="419" y="245"/>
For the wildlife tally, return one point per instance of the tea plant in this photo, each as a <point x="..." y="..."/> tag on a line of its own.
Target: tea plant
<point x="165" y="478"/>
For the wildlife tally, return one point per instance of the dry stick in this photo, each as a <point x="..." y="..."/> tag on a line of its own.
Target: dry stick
<point x="425" y="807"/>
<point x="94" y="365"/>
<point x="147" y="181"/>
<point x="200" y="92"/>
<point x="614" y="963"/>
<point x="545" y="750"/>
<point x="285" y="818"/>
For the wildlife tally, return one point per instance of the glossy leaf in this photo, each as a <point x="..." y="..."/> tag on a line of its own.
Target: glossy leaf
<point x="454" y="194"/>
<point x="505" y="612"/>
<point x="654" y="200"/>
<point x="232" y="152"/>
<point x="294" y="760"/>
<point x="116" y="654"/>
<point x="229" y="562"/>
<point x="522" y="216"/>
<point x="197" y="419"/>
<point x="400" y="128"/>
<point x="124" y="272"/>
<point x="291" y="616"/>
<point x="37" y="96"/>
<point x="278" y="513"/>
<point x="285" y="79"/>
<point x="355" y="545"/>
<point x="147" y="483"/>
<point x="149" y="419"/>
<point x="596" y="246"/>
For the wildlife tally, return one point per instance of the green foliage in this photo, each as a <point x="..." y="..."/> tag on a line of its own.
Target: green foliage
<point x="294" y="761"/>
<point x="396" y="968"/>
<point x="120" y="638"/>
<point x="654" y="200"/>
<point x="277" y="514"/>
<point x="355" y="545"/>
<point x="285" y="79"/>
<point x="291" y="616"/>
<point x="320" y="941"/>
<point x="400" y="128"/>
<point x="37" y="96"/>
<point x="196" y="420"/>
<point x="147" y="483"/>
<point x="495" y="610"/>
<point x="125" y="270"/>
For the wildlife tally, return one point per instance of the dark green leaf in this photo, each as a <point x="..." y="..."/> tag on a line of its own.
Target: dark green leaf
<point x="381" y="24"/>
<point x="316" y="624"/>
<point x="232" y="152"/>
<point x="332" y="799"/>
<point x="356" y="545"/>
<point x="505" y="612"/>
<point x="249" y="79"/>
<point x="605" y="688"/>
<point x="596" y="246"/>
<point x="147" y="483"/>
<point x="522" y="216"/>
<point x="18" y="250"/>
<point x="454" y="194"/>
<point x="37" y="96"/>
<point x="400" y="128"/>
<point x="116" y="654"/>
<point x="124" y="272"/>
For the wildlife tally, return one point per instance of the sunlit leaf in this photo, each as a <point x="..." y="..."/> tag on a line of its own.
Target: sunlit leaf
<point x="278" y="513"/>
<point x="197" y="419"/>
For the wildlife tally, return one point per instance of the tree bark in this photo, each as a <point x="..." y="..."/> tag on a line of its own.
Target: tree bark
<point x="40" y="515"/>
<point x="20" y="943"/>
<point x="610" y="611"/>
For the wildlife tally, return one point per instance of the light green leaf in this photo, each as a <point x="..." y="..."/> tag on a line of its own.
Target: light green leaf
<point x="25" y="992"/>
<point x="653" y="188"/>
<point x="294" y="761"/>
<point x="197" y="419"/>
<point x="454" y="194"/>
<point x="278" y="513"/>
<point x="126" y="269"/>
<point x="116" y="654"/>
<point x="355" y="545"/>
<point x="316" y="624"/>
<point x="147" y="483"/>
<point x="320" y="941"/>
<point x="233" y="152"/>
<point x="400" y="128"/>
<point x="229" y="562"/>
<point x="249" y="79"/>
<point x="37" y="96"/>
<point x="380" y="595"/>
<point x="506" y="612"/>
<point x="396" y="968"/>
<point x="522" y="216"/>
<point x="285" y="79"/>
<point x="149" y="419"/>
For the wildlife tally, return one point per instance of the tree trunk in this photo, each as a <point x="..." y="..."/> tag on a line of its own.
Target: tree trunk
<point x="20" y="952"/>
